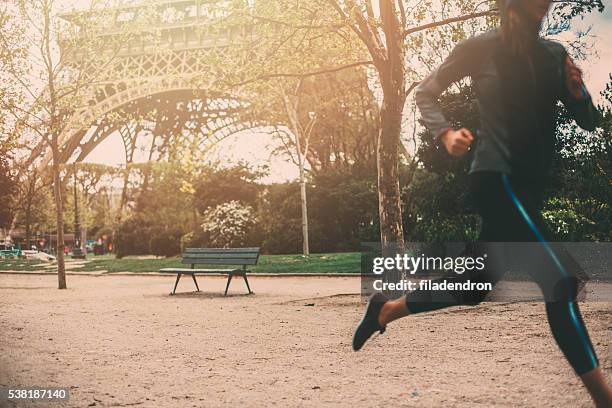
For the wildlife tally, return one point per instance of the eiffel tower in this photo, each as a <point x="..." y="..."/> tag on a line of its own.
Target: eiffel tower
<point x="164" y="85"/>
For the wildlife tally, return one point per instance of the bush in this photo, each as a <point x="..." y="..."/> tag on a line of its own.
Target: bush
<point x="228" y="224"/>
<point x="195" y="239"/>
<point x="132" y="238"/>
<point x="166" y="243"/>
<point x="135" y="237"/>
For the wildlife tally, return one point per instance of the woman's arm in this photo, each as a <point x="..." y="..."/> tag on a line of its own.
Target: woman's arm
<point x="459" y="64"/>
<point x="577" y="99"/>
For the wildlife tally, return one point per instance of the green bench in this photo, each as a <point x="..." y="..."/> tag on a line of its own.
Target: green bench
<point x="10" y="253"/>
<point x="239" y="258"/>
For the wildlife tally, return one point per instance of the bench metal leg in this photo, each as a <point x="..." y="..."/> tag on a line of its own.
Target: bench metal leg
<point x="247" y="283"/>
<point x="178" y="277"/>
<point x="195" y="281"/>
<point x="229" y="279"/>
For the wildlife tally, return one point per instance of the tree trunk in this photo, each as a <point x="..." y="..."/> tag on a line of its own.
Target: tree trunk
<point x="304" y="202"/>
<point x="59" y="216"/>
<point x="300" y="136"/>
<point x="124" y="195"/>
<point x="389" y="200"/>
<point x="27" y="222"/>
<point x="392" y="79"/>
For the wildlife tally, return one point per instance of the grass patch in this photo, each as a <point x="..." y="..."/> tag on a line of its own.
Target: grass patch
<point x="28" y="265"/>
<point x="318" y="263"/>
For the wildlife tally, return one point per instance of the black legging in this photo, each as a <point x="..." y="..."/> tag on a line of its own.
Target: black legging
<point x="510" y="212"/>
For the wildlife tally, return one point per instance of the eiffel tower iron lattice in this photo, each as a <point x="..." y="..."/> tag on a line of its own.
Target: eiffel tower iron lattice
<point x="166" y="79"/>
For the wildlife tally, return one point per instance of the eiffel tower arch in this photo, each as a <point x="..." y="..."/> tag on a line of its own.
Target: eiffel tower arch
<point x="167" y="84"/>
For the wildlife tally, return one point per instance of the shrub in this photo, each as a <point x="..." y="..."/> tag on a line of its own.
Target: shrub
<point x="195" y="239"/>
<point x="228" y="224"/>
<point x="166" y="243"/>
<point x="132" y="238"/>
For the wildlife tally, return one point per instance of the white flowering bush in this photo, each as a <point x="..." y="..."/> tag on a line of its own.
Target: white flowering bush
<point x="228" y="224"/>
<point x="565" y="218"/>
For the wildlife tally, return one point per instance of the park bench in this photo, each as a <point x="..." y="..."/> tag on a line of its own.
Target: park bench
<point x="10" y="253"/>
<point x="240" y="258"/>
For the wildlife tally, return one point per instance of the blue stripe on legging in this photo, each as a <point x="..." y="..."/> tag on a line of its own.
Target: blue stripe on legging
<point x="571" y="304"/>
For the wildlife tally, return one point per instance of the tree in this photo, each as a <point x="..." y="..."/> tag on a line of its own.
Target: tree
<point x="34" y="205"/>
<point x="347" y="122"/>
<point x="12" y="54"/>
<point x="301" y="131"/>
<point x="8" y="188"/>
<point x="383" y="29"/>
<point x="221" y="185"/>
<point x="92" y="181"/>
<point x="578" y="206"/>
<point x="330" y="128"/>
<point x="59" y="83"/>
<point x="287" y="46"/>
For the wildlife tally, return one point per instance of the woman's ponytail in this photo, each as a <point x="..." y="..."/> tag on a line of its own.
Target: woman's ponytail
<point x="518" y="32"/>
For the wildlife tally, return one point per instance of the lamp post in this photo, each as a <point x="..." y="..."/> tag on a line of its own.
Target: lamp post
<point x="77" y="252"/>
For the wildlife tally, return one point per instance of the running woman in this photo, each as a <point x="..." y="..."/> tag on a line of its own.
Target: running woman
<point x="518" y="78"/>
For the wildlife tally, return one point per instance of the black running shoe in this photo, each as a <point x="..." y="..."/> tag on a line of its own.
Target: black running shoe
<point x="369" y="323"/>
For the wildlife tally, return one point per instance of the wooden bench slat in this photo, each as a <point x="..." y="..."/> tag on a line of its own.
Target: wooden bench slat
<point x="221" y="250"/>
<point x="209" y="261"/>
<point x="236" y="259"/>
<point x="189" y="271"/>
<point x="215" y="256"/>
<point x="209" y="256"/>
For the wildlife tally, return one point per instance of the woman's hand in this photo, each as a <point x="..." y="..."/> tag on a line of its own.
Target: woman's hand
<point x="573" y="79"/>
<point x="457" y="142"/>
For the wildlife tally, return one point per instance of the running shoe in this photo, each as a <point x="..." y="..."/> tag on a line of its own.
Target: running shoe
<point x="369" y="323"/>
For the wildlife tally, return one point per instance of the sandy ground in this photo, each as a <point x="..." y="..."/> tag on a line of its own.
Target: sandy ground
<point x="122" y="341"/>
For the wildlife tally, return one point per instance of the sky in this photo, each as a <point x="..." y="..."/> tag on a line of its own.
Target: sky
<point x="256" y="147"/>
<point x="599" y="65"/>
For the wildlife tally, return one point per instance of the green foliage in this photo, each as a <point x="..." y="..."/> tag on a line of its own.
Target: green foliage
<point x="569" y="219"/>
<point x="435" y="198"/>
<point x="132" y="238"/>
<point x="236" y="183"/>
<point x="136" y="237"/>
<point x="280" y="218"/>
<point x="284" y="40"/>
<point x="580" y="193"/>
<point x="8" y="188"/>
<point x="435" y="210"/>
<point x="166" y="243"/>
<point x="195" y="239"/>
<point x="161" y="201"/>
<point x="342" y="210"/>
<point x="228" y="224"/>
<point x="570" y="9"/>
<point x="344" y="207"/>
<point x="35" y="207"/>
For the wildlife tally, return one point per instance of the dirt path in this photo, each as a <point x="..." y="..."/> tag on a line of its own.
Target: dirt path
<point x="122" y="341"/>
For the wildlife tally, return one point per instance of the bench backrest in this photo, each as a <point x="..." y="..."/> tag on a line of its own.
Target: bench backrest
<point x="221" y="256"/>
<point x="10" y="252"/>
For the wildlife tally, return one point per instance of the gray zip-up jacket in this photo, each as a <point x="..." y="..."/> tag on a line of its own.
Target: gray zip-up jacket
<point x="517" y="100"/>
